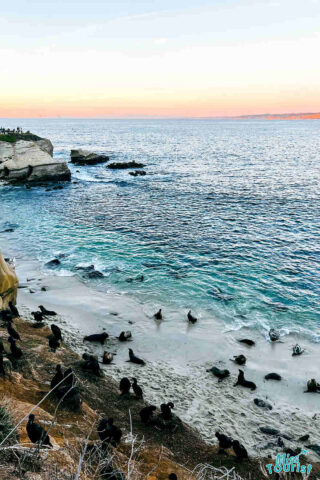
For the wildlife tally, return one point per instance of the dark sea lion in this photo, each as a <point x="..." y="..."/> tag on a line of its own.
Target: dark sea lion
<point x="239" y="359"/>
<point x="274" y="335"/>
<point x="166" y="410"/>
<point x="243" y="382"/>
<point x="247" y="341"/>
<point x="14" y="310"/>
<point x="15" y="351"/>
<point x="146" y="414"/>
<point x="38" y="316"/>
<point x="57" y="378"/>
<point x="304" y="438"/>
<point x="124" y="336"/>
<point x="191" y="318"/>
<point x="46" y="312"/>
<point x="124" y="386"/>
<point x="137" y="389"/>
<point x="12" y="332"/>
<point x="239" y="450"/>
<point x="262" y="404"/>
<point x="224" y="441"/>
<point x="312" y="386"/>
<point x="158" y="315"/>
<point x="36" y="433"/>
<point x="92" y="365"/>
<point x="56" y="331"/>
<point x="53" y="343"/>
<point x="97" y="337"/>
<point x="172" y="476"/>
<point x="217" y="372"/>
<point x="134" y="359"/>
<point x="273" y="376"/>
<point x="269" y="431"/>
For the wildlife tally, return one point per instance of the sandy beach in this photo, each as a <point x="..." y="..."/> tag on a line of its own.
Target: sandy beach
<point x="177" y="359"/>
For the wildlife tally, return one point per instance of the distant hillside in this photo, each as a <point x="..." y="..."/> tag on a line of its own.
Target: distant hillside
<point x="281" y="116"/>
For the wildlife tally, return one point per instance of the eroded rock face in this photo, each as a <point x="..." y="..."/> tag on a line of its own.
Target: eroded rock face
<point x="31" y="162"/>
<point x="84" y="157"/>
<point x="8" y="284"/>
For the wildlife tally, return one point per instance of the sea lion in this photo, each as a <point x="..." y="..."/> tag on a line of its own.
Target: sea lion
<point x="92" y="364"/>
<point x="166" y="410"/>
<point x="191" y="318"/>
<point x="134" y="359"/>
<point x="247" y="341"/>
<point x="53" y="343"/>
<point x="158" y="315"/>
<point x="273" y="376"/>
<point x="97" y="337"/>
<point x="56" y="332"/>
<point x="269" y="431"/>
<point x="312" y="386"/>
<point x="224" y="441"/>
<point x="262" y="404"/>
<point x="14" y="310"/>
<point x="297" y="350"/>
<point x="38" y="316"/>
<point x="217" y="372"/>
<point x="274" y="335"/>
<point x="15" y="351"/>
<point x="108" y="432"/>
<point x="46" y="312"/>
<point x="124" y="336"/>
<point x="172" y="476"/>
<point x="12" y="332"/>
<point x="124" y="386"/>
<point x="243" y="382"/>
<point x="146" y="414"/>
<point x="239" y="450"/>
<point x="57" y="378"/>
<point x="36" y="433"/>
<point x="137" y="389"/>
<point x="239" y="359"/>
<point x="107" y="358"/>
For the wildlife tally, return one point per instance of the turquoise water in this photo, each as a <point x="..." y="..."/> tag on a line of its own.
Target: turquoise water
<point x="227" y="221"/>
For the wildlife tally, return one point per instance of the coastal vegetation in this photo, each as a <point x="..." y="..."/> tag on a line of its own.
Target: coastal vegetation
<point x="12" y="136"/>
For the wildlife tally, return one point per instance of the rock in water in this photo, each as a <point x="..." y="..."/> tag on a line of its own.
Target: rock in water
<point x="84" y="157"/>
<point x="29" y="161"/>
<point x="269" y="431"/>
<point x="122" y="165"/>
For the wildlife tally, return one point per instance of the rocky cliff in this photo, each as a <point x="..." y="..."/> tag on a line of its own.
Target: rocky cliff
<point x="30" y="161"/>
<point x="8" y="284"/>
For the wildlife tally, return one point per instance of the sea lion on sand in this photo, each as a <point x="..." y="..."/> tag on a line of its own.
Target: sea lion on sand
<point x="46" y="312"/>
<point x="274" y="335"/>
<point x="297" y="350"/>
<point x="158" y="315"/>
<point x="191" y="318"/>
<point x="124" y="336"/>
<point x="312" y="386"/>
<point x="247" y="341"/>
<point x="97" y="337"/>
<point x="273" y="376"/>
<point x="107" y="358"/>
<point x="243" y="382"/>
<point x="134" y="359"/>
<point x="38" y="316"/>
<point x="217" y="372"/>
<point x="262" y="404"/>
<point x="239" y="359"/>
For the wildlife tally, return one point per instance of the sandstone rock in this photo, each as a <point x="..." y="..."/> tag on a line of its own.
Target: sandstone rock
<point x="84" y="157"/>
<point x="8" y="284"/>
<point x="31" y="161"/>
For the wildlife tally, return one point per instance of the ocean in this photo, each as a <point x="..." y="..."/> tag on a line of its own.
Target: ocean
<point x="226" y="222"/>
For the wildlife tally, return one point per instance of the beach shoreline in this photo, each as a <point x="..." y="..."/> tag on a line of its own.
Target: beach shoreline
<point x="171" y="374"/>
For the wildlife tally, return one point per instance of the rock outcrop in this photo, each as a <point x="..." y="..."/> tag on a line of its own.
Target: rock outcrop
<point x="84" y="157"/>
<point x="28" y="161"/>
<point x="122" y="165"/>
<point x="8" y="284"/>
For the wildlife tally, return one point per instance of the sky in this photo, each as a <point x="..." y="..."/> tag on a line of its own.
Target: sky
<point x="158" y="58"/>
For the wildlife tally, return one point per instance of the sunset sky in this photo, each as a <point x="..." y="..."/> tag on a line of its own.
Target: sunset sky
<point x="176" y="58"/>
